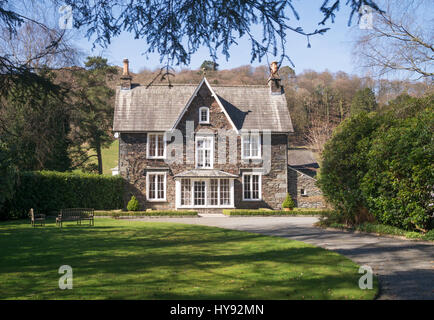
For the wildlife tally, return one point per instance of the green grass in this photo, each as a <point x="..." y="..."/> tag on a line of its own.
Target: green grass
<point x="124" y="259"/>
<point x="109" y="158"/>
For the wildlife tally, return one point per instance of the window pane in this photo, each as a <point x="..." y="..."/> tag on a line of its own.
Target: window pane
<point x="151" y="186"/>
<point x="200" y="158"/>
<point x="204" y="152"/>
<point x="152" y="145"/>
<point x="204" y="115"/>
<point x="160" y="185"/>
<point x="246" y="183"/>
<point x="246" y="146"/>
<point x="199" y="193"/>
<point x="213" y="192"/>
<point x="160" y="144"/>
<point x="225" y="194"/>
<point x="185" y="192"/>
<point x="255" y="186"/>
<point x="254" y="146"/>
<point x="207" y="158"/>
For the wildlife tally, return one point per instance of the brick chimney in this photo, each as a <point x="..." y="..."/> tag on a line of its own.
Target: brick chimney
<point x="126" y="77"/>
<point x="274" y="79"/>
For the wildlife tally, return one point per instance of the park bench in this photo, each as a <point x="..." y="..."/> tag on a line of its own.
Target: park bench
<point x="75" y="214"/>
<point x="36" y="218"/>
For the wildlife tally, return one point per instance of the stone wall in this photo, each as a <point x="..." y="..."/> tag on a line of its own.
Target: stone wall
<point x="298" y="181"/>
<point x="133" y="163"/>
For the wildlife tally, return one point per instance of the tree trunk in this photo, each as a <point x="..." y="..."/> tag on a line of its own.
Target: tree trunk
<point x="98" y="154"/>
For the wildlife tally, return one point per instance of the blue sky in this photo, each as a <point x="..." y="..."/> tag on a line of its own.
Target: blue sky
<point x="331" y="51"/>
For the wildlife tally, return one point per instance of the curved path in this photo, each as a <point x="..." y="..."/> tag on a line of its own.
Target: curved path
<point x="405" y="268"/>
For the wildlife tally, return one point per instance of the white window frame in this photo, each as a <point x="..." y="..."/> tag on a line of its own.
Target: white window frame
<point x="207" y="200"/>
<point x="251" y="185"/>
<point x="303" y="192"/>
<point x="207" y="115"/>
<point x="211" y="137"/>
<point x="156" y="190"/>
<point x="250" y="136"/>
<point x="148" y="143"/>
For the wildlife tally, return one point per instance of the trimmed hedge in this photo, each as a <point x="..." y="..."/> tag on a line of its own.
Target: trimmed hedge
<point x="152" y="213"/>
<point x="48" y="191"/>
<point x="261" y="212"/>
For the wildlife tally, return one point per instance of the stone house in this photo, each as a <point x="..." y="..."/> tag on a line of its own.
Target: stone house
<point x="203" y="147"/>
<point x="302" y="171"/>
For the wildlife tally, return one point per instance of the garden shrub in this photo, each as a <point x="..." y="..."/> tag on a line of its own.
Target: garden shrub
<point x="259" y="212"/>
<point x="50" y="191"/>
<point x="7" y="181"/>
<point x="398" y="183"/>
<point x="381" y="165"/>
<point x="148" y="213"/>
<point x="288" y="203"/>
<point x="133" y="204"/>
<point x="344" y="165"/>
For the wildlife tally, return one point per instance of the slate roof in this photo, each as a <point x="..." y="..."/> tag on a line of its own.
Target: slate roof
<point x="158" y="107"/>
<point x="303" y="160"/>
<point x="205" y="173"/>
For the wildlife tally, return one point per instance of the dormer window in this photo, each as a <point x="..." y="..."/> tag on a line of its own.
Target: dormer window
<point x="204" y="115"/>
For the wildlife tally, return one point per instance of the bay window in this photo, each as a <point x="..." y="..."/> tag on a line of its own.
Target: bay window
<point x="205" y="193"/>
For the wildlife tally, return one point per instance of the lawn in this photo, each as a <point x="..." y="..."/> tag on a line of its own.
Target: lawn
<point x="124" y="259"/>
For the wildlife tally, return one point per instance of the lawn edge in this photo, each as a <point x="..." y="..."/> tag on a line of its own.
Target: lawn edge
<point x="386" y="235"/>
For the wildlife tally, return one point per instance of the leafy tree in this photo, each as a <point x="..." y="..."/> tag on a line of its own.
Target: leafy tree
<point x="209" y="65"/>
<point x="94" y="113"/>
<point x="364" y="100"/>
<point x="34" y="122"/>
<point x="176" y="29"/>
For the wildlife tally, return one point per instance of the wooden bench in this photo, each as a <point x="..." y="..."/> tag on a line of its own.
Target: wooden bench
<point x="75" y="214"/>
<point x="36" y="218"/>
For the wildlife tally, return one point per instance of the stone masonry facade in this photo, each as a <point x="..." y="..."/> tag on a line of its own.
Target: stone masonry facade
<point x="133" y="162"/>
<point x="298" y="182"/>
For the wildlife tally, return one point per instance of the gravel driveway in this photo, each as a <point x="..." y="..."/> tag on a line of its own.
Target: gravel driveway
<point x="405" y="268"/>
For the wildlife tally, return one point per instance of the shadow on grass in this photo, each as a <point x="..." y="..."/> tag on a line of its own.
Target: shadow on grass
<point x="137" y="260"/>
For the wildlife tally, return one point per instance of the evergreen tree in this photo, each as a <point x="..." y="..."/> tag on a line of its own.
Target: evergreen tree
<point x="364" y="100"/>
<point x="95" y="106"/>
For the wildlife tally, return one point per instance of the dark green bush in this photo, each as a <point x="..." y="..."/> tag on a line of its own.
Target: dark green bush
<point x="133" y="204"/>
<point x="400" y="176"/>
<point x="50" y="191"/>
<point x="7" y="181"/>
<point x="381" y="166"/>
<point x="150" y="213"/>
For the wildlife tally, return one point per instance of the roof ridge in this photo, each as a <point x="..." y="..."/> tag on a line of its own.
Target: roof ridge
<point x="212" y="85"/>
